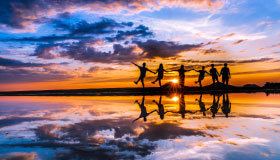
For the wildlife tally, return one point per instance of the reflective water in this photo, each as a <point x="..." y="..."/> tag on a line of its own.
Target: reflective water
<point x="233" y="126"/>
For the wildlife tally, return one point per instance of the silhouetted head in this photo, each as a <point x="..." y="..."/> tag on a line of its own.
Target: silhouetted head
<point x="145" y="119"/>
<point x="182" y="67"/>
<point x="203" y="67"/>
<point x="225" y="64"/>
<point x="212" y="65"/>
<point x="162" y="116"/>
<point x="183" y="115"/>
<point x="144" y="64"/>
<point x="161" y="66"/>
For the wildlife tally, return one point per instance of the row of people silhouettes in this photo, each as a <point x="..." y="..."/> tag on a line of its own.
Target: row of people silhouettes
<point x="214" y="108"/>
<point x="225" y="73"/>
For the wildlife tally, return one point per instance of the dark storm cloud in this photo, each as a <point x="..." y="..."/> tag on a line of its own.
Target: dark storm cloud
<point x="12" y="75"/>
<point x="16" y="63"/>
<point x="164" y="49"/>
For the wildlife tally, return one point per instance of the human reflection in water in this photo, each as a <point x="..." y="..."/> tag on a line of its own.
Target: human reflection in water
<point x="143" y="113"/>
<point x="202" y="105"/>
<point x="226" y="104"/>
<point x="182" y="107"/>
<point x="215" y="106"/>
<point x="160" y="110"/>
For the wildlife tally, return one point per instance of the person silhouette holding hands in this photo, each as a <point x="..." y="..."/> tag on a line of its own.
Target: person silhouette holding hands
<point x="182" y="107"/>
<point x="160" y="71"/>
<point x="143" y="71"/>
<point x="182" y="71"/>
<point x="143" y="113"/>
<point x="225" y="74"/>
<point x="226" y="105"/>
<point x="160" y="110"/>
<point x="202" y="105"/>
<point x="201" y="75"/>
<point x="214" y="73"/>
<point x="215" y="106"/>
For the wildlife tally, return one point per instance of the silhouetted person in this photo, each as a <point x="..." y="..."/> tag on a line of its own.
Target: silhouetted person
<point x="182" y="71"/>
<point x="226" y="105"/>
<point x="160" y="110"/>
<point x="160" y="72"/>
<point x="215" y="106"/>
<point x="214" y="73"/>
<point x="201" y="75"/>
<point x="202" y="105"/>
<point x="144" y="113"/>
<point x="143" y="71"/>
<point x="225" y="74"/>
<point x="182" y="107"/>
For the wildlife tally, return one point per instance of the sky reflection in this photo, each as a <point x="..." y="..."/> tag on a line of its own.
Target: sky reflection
<point x="114" y="127"/>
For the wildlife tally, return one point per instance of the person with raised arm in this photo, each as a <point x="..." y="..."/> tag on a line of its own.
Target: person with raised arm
<point x="160" y="71"/>
<point x="201" y="75"/>
<point x="143" y="109"/>
<point x="143" y="71"/>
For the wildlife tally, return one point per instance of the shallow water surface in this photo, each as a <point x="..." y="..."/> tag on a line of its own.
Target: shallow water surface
<point x="225" y="126"/>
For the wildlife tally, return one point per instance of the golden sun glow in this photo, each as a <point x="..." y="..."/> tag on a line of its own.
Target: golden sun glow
<point x="174" y="80"/>
<point x="175" y="99"/>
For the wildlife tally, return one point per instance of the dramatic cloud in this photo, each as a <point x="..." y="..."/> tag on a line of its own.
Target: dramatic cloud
<point x="15" y="63"/>
<point x="46" y="51"/>
<point x="83" y="27"/>
<point x="212" y="51"/>
<point x="140" y="31"/>
<point x="81" y="51"/>
<point x="10" y="75"/>
<point x="21" y="13"/>
<point x="164" y="49"/>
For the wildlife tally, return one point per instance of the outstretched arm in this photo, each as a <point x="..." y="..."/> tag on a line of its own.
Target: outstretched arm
<point x="187" y="70"/>
<point x="151" y="71"/>
<point x="135" y="64"/>
<point x="152" y="112"/>
<point x="136" y="119"/>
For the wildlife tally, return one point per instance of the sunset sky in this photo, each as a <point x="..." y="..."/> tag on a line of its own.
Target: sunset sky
<point x="68" y="44"/>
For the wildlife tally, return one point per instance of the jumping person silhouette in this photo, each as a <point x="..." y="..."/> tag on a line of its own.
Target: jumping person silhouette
<point x="201" y="75"/>
<point x="160" y="110"/>
<point x="144" y="113"/>
<point x="226" y="105"/>
<point x="143" y="71"/>
<point x="182" y="71"/>
<point x="225" y="74"/>
<point x="214" y="73"/>
<point x="202" y="105"/>
<point x="160" y="72"/>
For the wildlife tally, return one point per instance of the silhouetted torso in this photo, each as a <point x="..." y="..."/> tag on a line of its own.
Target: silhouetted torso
<point x="143" y="71"/>
<point x="213" y="72"/>
<point x="225" y="73"/>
